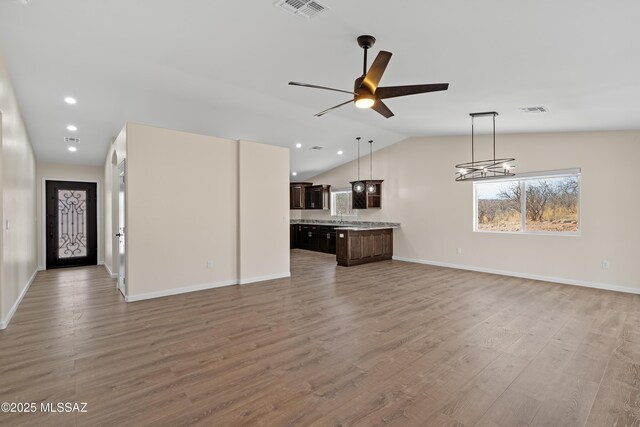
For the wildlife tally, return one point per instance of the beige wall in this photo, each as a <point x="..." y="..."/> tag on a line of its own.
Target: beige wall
<point x="264" y="212"/>
<point x="194" y="199"/>
<point x="18" y="187"/>
<point x="182" y="210"/>
<point x="437" y="213"/>
<point x="54" y="171"/>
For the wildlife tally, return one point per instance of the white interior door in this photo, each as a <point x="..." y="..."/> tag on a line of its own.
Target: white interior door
<point x="121" y="230"/>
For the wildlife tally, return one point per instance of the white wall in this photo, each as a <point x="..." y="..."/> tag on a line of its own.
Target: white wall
<point x="192" y="199"/>
<point x="182" y="210"/>
<point x="264" y="212"/>
<point x="60" y="172"/>
<point x="18" y="187"/>
<point x="437" y="213"/>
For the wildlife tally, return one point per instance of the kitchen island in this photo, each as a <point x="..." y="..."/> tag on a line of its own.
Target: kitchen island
<point x="354" y="242"/>
<point x="360" y="245"/>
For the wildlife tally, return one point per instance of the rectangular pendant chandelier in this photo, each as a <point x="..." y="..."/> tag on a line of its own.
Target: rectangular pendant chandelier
<point x="478" y="170"/>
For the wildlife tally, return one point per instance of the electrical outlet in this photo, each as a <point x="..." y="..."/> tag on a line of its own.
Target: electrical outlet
<point x="605" y="264"/>
<point x="209" y="264"/>
<point x="459" y="251"/>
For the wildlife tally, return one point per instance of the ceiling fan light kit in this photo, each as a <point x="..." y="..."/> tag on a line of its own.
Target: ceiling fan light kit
<point x="366" y="92"/>
<point x="478" y="170"/>
<point x="364" y="102"/>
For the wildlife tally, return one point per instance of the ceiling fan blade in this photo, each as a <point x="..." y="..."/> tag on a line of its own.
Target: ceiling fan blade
<point x="382" y="108"/>
<point x="394" y="91"/>
<point x="322" y="113"/>
<point x="373" y="76"/>
<point x="321" y="87"/>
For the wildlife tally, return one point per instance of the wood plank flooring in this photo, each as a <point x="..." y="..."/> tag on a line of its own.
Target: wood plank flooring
<point x="389" y="343"/>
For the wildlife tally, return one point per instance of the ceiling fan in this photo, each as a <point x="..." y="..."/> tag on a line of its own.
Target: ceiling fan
<point x="366" y="92"/>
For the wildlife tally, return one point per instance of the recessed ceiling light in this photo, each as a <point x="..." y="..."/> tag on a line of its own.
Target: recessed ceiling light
<point x="73" y="149"/>
<point x="72" y="128"/>
<point x="298" y="145"/>
<point x="339" y="152"/>
<point x="70" y="100"/>
<point x="294" y="173"/>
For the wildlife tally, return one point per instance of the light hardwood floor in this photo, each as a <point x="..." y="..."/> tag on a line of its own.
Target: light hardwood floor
<point x="389" y="343"/>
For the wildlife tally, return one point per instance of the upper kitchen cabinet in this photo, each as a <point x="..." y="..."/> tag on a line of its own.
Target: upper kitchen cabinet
<point x="368" y="199"/>
<point x="317" y="197"/>
<point x="297" y="194"/>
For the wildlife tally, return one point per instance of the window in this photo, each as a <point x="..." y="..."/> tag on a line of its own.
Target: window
<point x="532" y="203"/>
<point x="341" y="203"/>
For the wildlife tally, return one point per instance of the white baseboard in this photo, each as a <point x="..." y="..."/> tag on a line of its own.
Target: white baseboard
<point x="177" y="291"/>
<point x="5" y="322"/>
<point x="263" y="278"/>
<point x="101" y="263"/>
<point x="596" y="285"/>
<point x="194" y="288"/>
<point x="41" y="268"/>
<point x="113" y="276"/>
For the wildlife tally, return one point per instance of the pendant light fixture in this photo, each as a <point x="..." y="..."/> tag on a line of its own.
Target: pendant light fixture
<point x="371" y="187"/>
<point x="478" y="170"/>
<point x="358" y="186"/>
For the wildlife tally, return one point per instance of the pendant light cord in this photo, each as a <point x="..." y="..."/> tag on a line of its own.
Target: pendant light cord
<point x="371" y="159"/>
<point x="494" y="142"/>
<point x="494" y="137"/>
<point x="472" y="158"/>
<point x="358" y="138"/>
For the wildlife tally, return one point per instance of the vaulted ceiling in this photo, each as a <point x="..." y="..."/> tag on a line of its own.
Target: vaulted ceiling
<point x="222" y="68"/>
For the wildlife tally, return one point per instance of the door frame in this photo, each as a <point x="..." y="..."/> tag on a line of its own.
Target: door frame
<point x="43" y="217"/>
<point x="121" y="168"/>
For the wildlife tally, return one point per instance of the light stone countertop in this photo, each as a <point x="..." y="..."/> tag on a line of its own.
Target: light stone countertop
<point x="348" y="225"/>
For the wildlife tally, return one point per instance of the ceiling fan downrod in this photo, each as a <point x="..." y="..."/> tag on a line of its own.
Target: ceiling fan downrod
<point x="366" y="42"/>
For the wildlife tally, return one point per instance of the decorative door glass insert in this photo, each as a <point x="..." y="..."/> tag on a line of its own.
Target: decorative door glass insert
<point x="72" y="223"/>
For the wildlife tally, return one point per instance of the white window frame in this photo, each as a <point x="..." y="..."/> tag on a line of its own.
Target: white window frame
<point x="522" y="178"/>
<point x="333" y="202"/>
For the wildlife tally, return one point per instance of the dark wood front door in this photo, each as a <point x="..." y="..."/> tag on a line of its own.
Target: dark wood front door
<point x="71" y="224"/>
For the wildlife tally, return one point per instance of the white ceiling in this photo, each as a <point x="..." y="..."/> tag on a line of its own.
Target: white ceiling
<point x="222" y="68"/>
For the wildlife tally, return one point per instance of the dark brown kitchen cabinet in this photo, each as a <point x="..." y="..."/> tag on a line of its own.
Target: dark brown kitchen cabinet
<point x="293" y="236"/>
<point x="327" y="240"/>
<point x="306" y="237"/>
<point x="317" y="197"/>
<point x="366" y="200"/>
<point x="297" y="194"/>
<point x="299" y="236"/>
<point x="362" y="246"/>
<point x="315" y="238"/>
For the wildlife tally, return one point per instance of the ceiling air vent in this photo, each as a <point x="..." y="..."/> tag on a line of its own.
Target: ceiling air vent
<point x="534" y="109"/>
<point x="302" y="8"/>
<point x="316" y="147"/>
<point x="71" y="140"/>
